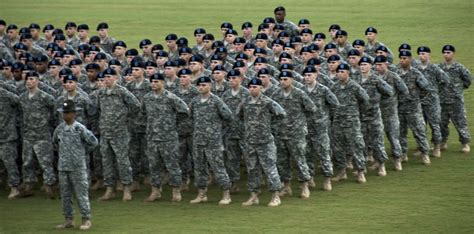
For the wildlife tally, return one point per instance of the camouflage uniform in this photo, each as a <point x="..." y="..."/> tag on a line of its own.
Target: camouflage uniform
<point x="346" y="128"/>
<point x="389" y="109"/>
<point x="171" y="85"/>
<point x="107" y="44"/>
<point x="371" y="118"/>
<point x="452" y="101"/>
<point x="291" y="133"/>
<point x="83" y="104"/>
<point x="41" y="42"/>
<point x="318" y="129"/>
<point x="233" y="134"/>
<point x="9" y="103"/>
<point x="38" y="112"/>
<point x="430" y="101"/>
<point x="207" y="119"/>
<point x="72" y="141"/>
<point x="74" y="42"/>
<point x="185" y="131"/>
<point x="161" y="112"/>
<point x="93" y="125"/>
<point x="114" y="105"/>
<point x="219" y="91"/>
<point x="260" y="146"/>
<point x="5" y="53"/>
<point x="137" y="129"/>
<point x="409" y="109"/>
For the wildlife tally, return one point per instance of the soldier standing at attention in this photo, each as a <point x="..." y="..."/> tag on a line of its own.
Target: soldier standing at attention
<point x="291" y="133"/>
<point x="160" y="108"/>
<point x="38" y="111"/>
<point x="290" y="27"/>
<point x="452" y="99"/>
<point x="106" y="42"/>
<point x="72" y="138"/>
<point x="257" y="111"/>
<point x="208" y="112"/>
<point x="409" y="106"/>
<point x="114" y="104"/>
<point x="346" y="131"/>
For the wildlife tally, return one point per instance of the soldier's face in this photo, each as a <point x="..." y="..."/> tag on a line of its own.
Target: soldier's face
<point x="306" y="56"/>
<point x="333" y="65"/>
<point x="194" y="66"/>
<point x="255" y="90"/>
<point x="247" y="31"/>
<point x="259" y="66"/>
<point x="170" y="71"/>
<point x="41" y="67"/>
<point x="198" y="38"/>
<point x="306" y="37"/>
<point x="265" y="79"/>
<point x="83" y="33"/>
<point x="285" y="82"/>
<point x="230" y="38"/>
<point x="239" y="47"/>
<point x="289" y="50"/>
<point x="119" y="51"/>
<point x="234" y="81"/>
<point x="12" y="34"/>
<point x="310" y="78"/>
<point x="353" y="60"/>
<point x="68" y="117"/>
<point x="147" y="49"/>
<point x="219" y="75"/>
<point x="48" y="34"/>
<point x="319" y="42"/>
<point x="285" y="61"/>
<point x="405" y="61"/>
<point x="184" y="80"/>
<point x="32" y="82"/>
<point x="359" y="48"/>
<point x="381" y="67"/>
<point x="70" y="85"/>
<point x="109" y="81"/>
<point x="54" y="70"/>
<point x="280" y="16"/>
<point x="137" y="72"/>
<point x="448" y="55"/>
<point x="70" y="31"/>
<point x="249" y="52"/>
<point x="260" y="43"/>
<point x="277" y="48"/>
<point x="424" y="57"/>
<point x="92" y="74"/>
<point x="161" y="60"/>
<point x="157" y="85"/>
<point x="371" y="36"/>
<point x="365" y="67"/>
<point x="214" y="63"/>
<point x="76" y="69"/>
<point x="343" y="75"/>
<point x="204" y="88"/>
<point x="171" y="44"/>
<point x="103" y="32"/>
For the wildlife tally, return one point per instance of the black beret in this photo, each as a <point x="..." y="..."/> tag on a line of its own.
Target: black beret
<point x="255" y="81"/>
<point x="70" y="25"/>
<point x="247" y="25"/>
<point x="102" y="25"/>
<point x="425" y="49"/>
<point x="288" y="74"/>
<point x="144" y="42"/>
<point x="70" y="77"/>
<point x="199" y="31"/>
<point x="343" y="66"/>
<point x="334" y="57"/>
<point x="110" y="72"/>
<point x="184" y="71"/>
<point x="358" y="42"/>
<point x="319" y="36"/>
<point x="157" y="76"/>
<point x="82" y="27"/>
<point x="303" y="21"/>
<point x="233" y="72"/>
<point x="404" y="46"/>
<point x="227" y="25"/>
<point x="171" y="37"/>
<point x="404" y="53"/>
<point x="203" y="79"/>
<point x="365" y="60"/>
<point x="370" y="29"/>
<point x="448" y="48"/>
<point x="309" y="69"/>
<point x="380" y="59"/>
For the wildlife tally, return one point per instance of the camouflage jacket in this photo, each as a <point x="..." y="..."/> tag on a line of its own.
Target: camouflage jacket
<point x="137" y="120"/>
<point x="38" y="115"/>
<point x="83" y="104"/>
<point x="234" y="129"/>
<point x="353" y="99"/>
<point x="185" y="124"/>
<point x="399" y="87"/>
<point x="375" y="88"/>
<point x="416" y="82"/>
<point x="324" y="100"/>
<point x="9" y="104"/>
<point x="437" y="78"/>
<point x="459" y="79"/>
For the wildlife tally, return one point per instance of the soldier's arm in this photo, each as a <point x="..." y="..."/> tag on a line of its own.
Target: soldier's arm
<point x="180" y="106"/>
<point x="55" y="137"/>
<point x="308" y="104"/>
<point x="400" y="85"/>
<point x="90" y="108"/>
<point x="88" y="137"/>
<point x="423" y="83"/>
<point x="331" y="99"/>
<point x="224" y="112"/>
<point x="384" y="87"/>
<point x="8" y="87"/>
<point x="12" y="97"/>
<point x="362" y="97"/>
<point x="131" y="101"/>
<point x="276" y="109"/>
<point x="48" y="89"/>
<point x="441" y="76"/>
<point x="466" y="77"/>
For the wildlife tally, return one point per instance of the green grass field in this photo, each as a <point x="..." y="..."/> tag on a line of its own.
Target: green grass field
<point x="421" y="199"/>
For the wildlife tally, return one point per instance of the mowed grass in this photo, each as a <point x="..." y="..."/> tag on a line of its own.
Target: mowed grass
<point x="421" y="199"/>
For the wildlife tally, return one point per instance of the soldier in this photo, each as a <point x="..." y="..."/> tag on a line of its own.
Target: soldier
<point x="247" y="33"/>
<point x="373" y="44"/>
<point x="115" y="103"/>
<point x="268" y="87"/>
<point x="452" y="99"/>
<point x="139" y="87"/>
<point x="346" y="131"/>
<point x="257" y="111"/>
<point x="187" y="92"/>
<point x="72" y="138"/>
<point x="343" y="46"/>
<point x="71" y="37"/>
<point x="83" y="34"/>
<point x="208" y="113"/>
<point x="9" y="104"/>
<point x="146" y="45"/>
<point x="106" y="42"/>
<point x="198" y="35"/>
<point x="409" y="106"/>
<point x="220" y="85"/>
<point x="280" y="14"/>
<point x="233" y="130"/>
<point x="389" y="108"/>
<point x="38" y="113"/>
<point x="160" y="108"/>
<point x="318" y="127"/>
<point x="371" y="118"/>
<point x="291" y="133"/>
<point x="172" y="46"/>
<point x="80" y="99"/>
<point x="430" y="101"/>
<point x="171" y="79"/>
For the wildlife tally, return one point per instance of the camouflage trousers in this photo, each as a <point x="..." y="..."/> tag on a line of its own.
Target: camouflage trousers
<point x="415" y="122"/>
<point x="115" y="158"/>
<point x="432" y="116"/>
<point x="455" y="113"/>
<point x="319" y="147"/>
<point x="348" y="140"/>
<point x="136" y="153"/>
<point x="74" y="182"/>
<point x="185" y="156"/>
<point x="97" y="168"/>
<point x="164" y="156"/>
<point x="233" y="151"/>
<point x="212" y="155"/>
<point x="43" y="150"/>
<point x="391" y="127"/>
<point x="8" y="155"/>
<point x="262" y="157"/>
<point x="292" y="150"/>
<point x="373" y="133"/>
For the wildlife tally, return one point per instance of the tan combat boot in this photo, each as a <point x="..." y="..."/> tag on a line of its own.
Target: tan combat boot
<point x="201" y="197"/>
<point x="349" y="163"/>
<point x="14" y="193"/>
<point x="49" y="192"/>
<point x="374" y="166"/>
<point x="28" y="190"/>
<point x="235" y="188"/>
<point x="437" y="151"/>
<point x="155" y="194"/>
<point x="425" y="158"/>
<point x="327" y="186"/>
<point x="86" y="224"/>
<point x="98" y="185"/>
<point x="370" y="156"/>
<point x="404" y="158"/>
<point x="286" y="190"/>
<point x="275" y="201"/>
<point x="397" y="162"/>
<point x="185" y="184"/>
<point x="311" y="183"/>
<point x="382" y="171"/>
<point x="417" y="153"/>
<point x="466" y="148"/>
<point x="68" y="223"/>
<point x="444" y="146"/>
<point x="176" y="195"/>
<point x="127" y="193"/>
<point x="342" y="175"/>
<point x="361" y="177"/>
<point x="119" y="186"/>
<point x="108" y="195"/>
<point x="135" y="186"/>
<point x="225" y="198"/>
<point x="304" y="190"/>
<point x="253" y="200"/>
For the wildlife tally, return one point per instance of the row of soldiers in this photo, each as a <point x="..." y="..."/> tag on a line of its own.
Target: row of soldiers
<point x="273" y="100"/>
